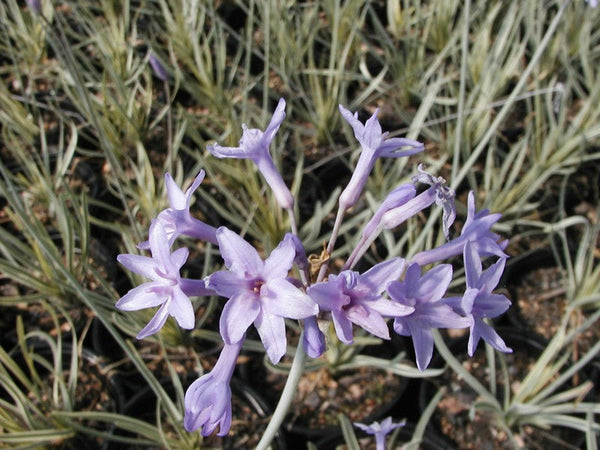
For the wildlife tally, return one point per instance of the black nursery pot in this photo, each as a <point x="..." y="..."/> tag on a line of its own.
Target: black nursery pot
<point x="430" y="441"/>
<point x="452" y="418"/>
<point x="250" y="411"/>
<point x="363" y="394"/>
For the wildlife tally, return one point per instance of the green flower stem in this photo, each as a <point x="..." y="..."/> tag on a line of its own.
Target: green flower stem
<point x="286" y="398"/>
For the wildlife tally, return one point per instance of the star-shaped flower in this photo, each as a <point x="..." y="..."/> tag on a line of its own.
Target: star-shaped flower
<point x="477" y="230"/>
<point x="355" y="298"/>
<point x="167" y="288"/>
<point x="424" y="294"/>
<point x="375" y="144"/>
<point x="478" y="302"/>
<point x="254" y="145"/>
<point x="380" y="430"/>
<point x="177" y="220"/>
<point x="258" y="292"/>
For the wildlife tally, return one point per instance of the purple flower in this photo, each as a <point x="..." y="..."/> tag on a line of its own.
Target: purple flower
<point x="424" y="294"/>
<point x="208" y="399"/>
<point x="395" y="199"/>
<point x="167" y="288"/>
<point x="313" y="338"/>
<point x="258" y="292"/>
<point x="380" y="430"/>
<point x="254" y="145"/>
<point x="374" y="145"/>
<point x="35" y="6"/>
<point x="157" y="67"/>
<point x="355" y="298"/>
<point x="478" y="302"/>
<point x="476" y="230"/>
<point x="177" y="220"/>
<point x="438" y="193"/>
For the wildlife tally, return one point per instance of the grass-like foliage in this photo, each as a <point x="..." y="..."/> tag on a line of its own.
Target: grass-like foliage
<point x="99" y="98"/>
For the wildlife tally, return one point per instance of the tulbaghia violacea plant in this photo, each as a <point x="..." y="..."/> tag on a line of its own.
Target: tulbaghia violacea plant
<point x="409" y="296"/>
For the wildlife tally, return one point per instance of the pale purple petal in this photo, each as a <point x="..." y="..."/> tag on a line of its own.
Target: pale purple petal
<point x="491" y="277"/>
<point x="159" y="246"/>
<point x="156" y="323"/>
<point x="369" y="320"/>
<point x="328" y="295"/>
<point x="177" y="199"/>
<point x="377" y="277"/>
<point x="280" y="261"/>
<point x="397" y="147"/>
<point x="276" y="121"/>
<point x="313" y="338"/>
<point x="472" y="266"/>
<point x="389" y="308"/>
<point x="146" y="295"/>
<point x="195" y="184"/>
<point x="239" y="256"/>
<point x="179" y="257"/>
<point x="142" y="265"/>
<point x="227" y="284"/>
<point x="238" y="314"/>
<point x="271" y="329"/>
<point x="228" y="152"/>
<point x="343" y="327"/>
<point x="181" y="308"/>
<point x="423" y="343"/>
<point x="434" y="283"/>
<point x="282" y="298"/>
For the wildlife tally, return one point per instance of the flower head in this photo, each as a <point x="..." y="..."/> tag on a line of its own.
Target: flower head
<point x="424" y="294"/>
<point x="258" y="292"/>
<point x="355" y="298"/>
<point x="374" y="144"/>
<point x="157" y="67"/>
<point x="477" y="230"/>
<point x="208" y="399"/>
<point x="177" y="220"/>
<point x="478" y="301"/>
<point x="167" y="288"/>
<point x="380" y="430"/>
<point x="254" y="144"/>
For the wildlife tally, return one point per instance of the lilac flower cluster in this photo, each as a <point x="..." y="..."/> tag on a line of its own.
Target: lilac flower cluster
<point x="409" y="294"/>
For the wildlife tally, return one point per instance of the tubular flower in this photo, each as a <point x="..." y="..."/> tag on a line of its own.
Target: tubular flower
<point x="355" y="298"/>
<point x="478" y="302"/>
<point x="208" y="399"/>
<point x="374" y="144"/>
<point x="258" y="292"/>
<point x="477" y="230"/>
<point x="167" y="288"/>
<point x="254" y="145"/>
<point x="177" y="220"/>
<point x="424" y="294"/>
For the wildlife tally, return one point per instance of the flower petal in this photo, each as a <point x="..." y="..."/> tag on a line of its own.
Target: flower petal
<point x="280" y="261"/>
<point x="177" y="198"/>
<point x="328" y="295"/>
<point x="156" y="323"/>
<point x="343" y="327"/>
<point x="376" y="279"/>
<point x="238" y="314"/>
<point x="181" y="308"/>
<point x="226" y="283"/>
<point x="139" y="264"/>
<point x="423" y="342"/>
<point x="432" y="286"/>
<point x="145" y="295"/>
<point x="389" y="308"/>
<point x="283" y="299"/>
<point x="369" y="320"/>
<point x="271" y="329"/>
<point x="239" y="256"/>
